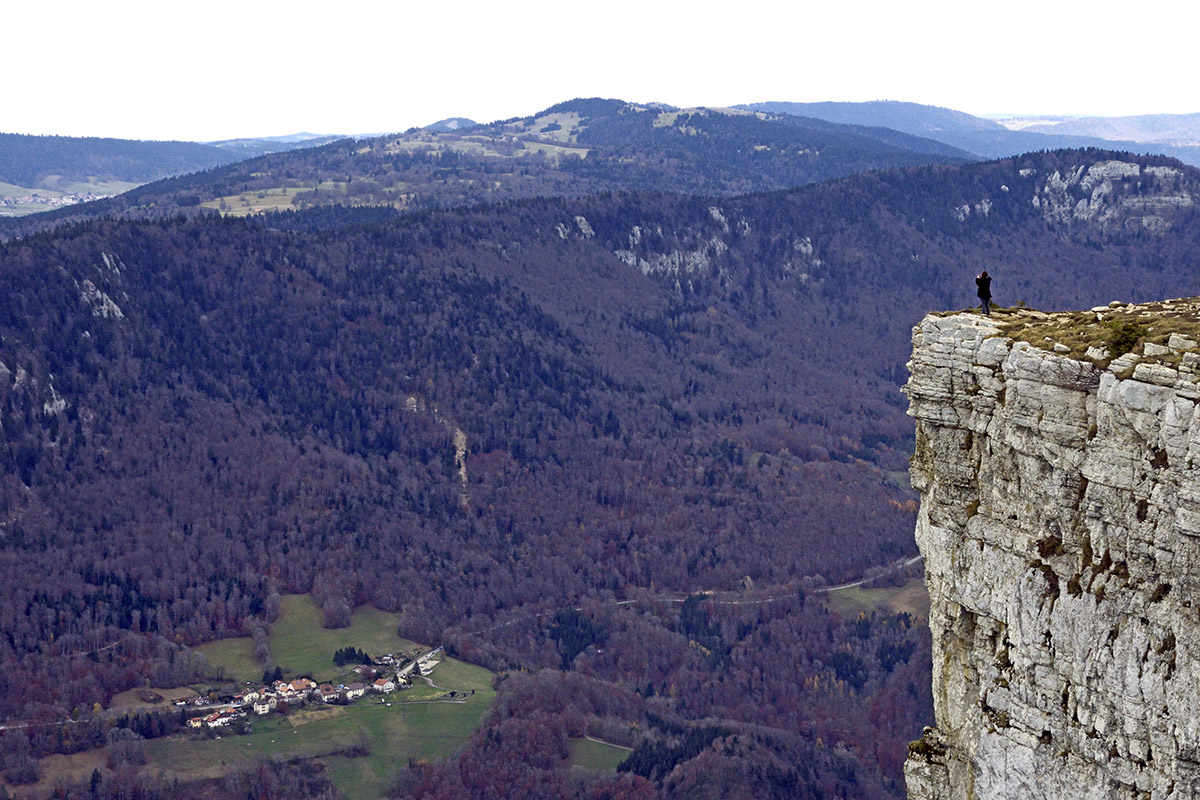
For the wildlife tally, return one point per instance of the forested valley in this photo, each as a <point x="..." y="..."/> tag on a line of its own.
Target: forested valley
<point x="608" y="446"/>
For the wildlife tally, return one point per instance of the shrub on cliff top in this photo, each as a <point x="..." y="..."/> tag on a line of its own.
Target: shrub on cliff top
<point x="1123" y="336"/>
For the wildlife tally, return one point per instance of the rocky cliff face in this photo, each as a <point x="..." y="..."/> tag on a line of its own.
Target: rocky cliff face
<point x="1060" y="524"/>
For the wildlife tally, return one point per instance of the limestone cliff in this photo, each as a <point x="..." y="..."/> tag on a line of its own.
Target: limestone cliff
<point x="1060" y="524"/>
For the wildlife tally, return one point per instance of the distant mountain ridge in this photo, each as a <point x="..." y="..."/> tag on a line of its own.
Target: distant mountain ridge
<point x="913" y="118"/>
<point x="41" y="172"/>
<point x="27" y="160"/>
<point x="579" y="147"/>
<point x="261" y="145"/>
<point x="753" y="147"/>
<point x="990" y="139"/>
<point x="1168" y="129"/>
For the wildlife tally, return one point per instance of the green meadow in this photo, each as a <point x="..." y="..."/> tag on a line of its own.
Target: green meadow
<point x="300" y="644"/>
<point x="595" y="754"/>
<point x="911" y="598"/>
<point x="235" y="657"/>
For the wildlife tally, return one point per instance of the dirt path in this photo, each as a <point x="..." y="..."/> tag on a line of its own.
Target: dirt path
<point x="610" y="744"/>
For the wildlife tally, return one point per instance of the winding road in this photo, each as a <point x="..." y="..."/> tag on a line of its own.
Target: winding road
<point x="710" y="594"/>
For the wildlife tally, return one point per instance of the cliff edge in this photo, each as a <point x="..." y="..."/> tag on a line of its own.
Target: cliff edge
<point x="1060" y="524"/>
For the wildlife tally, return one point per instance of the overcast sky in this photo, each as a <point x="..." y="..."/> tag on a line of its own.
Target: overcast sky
<point x="219" y="69"/>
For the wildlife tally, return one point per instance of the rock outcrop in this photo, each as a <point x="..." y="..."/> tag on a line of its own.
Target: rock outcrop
<point x="1060" y="524"/>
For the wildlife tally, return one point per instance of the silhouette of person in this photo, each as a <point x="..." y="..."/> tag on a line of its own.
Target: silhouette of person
<point x="984" y="282"/>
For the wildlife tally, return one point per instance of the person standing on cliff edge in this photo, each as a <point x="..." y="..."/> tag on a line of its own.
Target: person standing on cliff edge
<point x="984" y="282"/>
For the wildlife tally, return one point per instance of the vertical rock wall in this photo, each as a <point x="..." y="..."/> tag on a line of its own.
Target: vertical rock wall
<point x="1060" y="524"/>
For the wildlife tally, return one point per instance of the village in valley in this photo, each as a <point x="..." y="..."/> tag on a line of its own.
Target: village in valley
<point x="383" y="675"/>
<point x="28" y="202"/>
<point x="359" y="697"/>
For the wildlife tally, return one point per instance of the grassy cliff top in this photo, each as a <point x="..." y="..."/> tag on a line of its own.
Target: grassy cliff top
<point x="1105" y="333"/>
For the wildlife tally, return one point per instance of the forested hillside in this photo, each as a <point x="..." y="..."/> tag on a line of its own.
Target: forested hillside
<point x="38" y="173"/>
<point x="500" y="422"/>
<point x="576" y="148"/>
<point x="30" y="160"/>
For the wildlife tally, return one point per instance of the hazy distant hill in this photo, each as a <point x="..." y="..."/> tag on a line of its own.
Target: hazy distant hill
<point x="452" y="124"/>
<point x="575" y="148"/>
<point x="984" y="137"/>
<point x="922" y="120"/>
<point x="501" y="421"/>
<point x="258" y="146"/>
<point x="38" y="173"/>
<point x="1169" y="129"/>
<point x="30" y="160"/>
<point x="33" y="160"/>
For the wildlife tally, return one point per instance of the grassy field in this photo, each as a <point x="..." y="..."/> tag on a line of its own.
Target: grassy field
<point x="596" y="755"/>
<point x="235" y="656"/>
<point x="12" y="190"/>
<point x="912" y="598"/>
<point x="302" y="646"/>
<point x="397" y="728"/>
<point x="256" y="202"/>
<point x="212" y="758"/>
<point x="488" y="146"/>
<point x="422" y="691"/>
<point x="93" y="186"/>
<point x="556" y="149"/>
<point x="129" y="700"/>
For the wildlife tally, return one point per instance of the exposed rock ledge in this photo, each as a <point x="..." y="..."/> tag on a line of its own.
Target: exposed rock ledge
<point x="1060" y="524"/>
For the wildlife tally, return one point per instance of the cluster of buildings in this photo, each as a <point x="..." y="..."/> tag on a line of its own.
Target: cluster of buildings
<point x="373" y="678"/>
<point x="217" y="719"/>
<point x="50" y="201"/>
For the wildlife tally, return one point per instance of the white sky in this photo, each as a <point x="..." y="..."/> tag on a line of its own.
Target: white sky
<point x="221" y="69"/>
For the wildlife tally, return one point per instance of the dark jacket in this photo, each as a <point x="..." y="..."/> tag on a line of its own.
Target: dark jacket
<point x="984" y="282"/>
